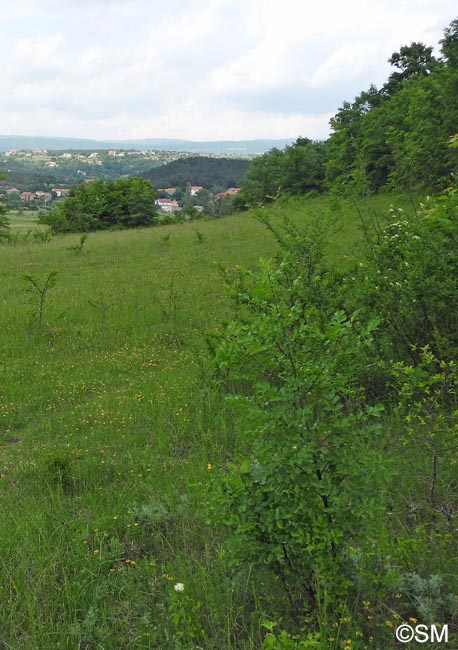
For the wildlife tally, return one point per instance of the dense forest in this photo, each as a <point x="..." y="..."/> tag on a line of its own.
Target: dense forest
<point x="394" y="136"/>
<point x="212" y="173"/>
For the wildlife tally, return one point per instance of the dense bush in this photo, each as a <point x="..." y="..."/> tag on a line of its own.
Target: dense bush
<point x="100" y="205"/>
<point x="409" y="280"/>
<point x="308" y="492"/>
<point x="339" y="492"/>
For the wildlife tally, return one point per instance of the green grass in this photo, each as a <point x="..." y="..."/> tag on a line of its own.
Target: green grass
<point x="109" y="430"/>
<point x="23" y="221"/>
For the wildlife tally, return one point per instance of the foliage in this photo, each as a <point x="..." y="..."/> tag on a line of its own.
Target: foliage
<point x="263" y="179"/>
<point x="409" y="280"/>
<point x="414" y="60"/>
<point x="211" y="173"/>
<point x="100" y="205"/>
<point x="40" y="289"/>
<point x="296" y="170"/>
<point x="77" y="248"/>
<point x="399" y="133"/>
<point x="308" y="489"/>
<point x="449" y="44"/>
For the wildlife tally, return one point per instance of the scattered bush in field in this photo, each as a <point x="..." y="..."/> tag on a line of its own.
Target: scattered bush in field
<point x="101" y="308"/>
<point x="4" y="228"/>
<point x="43" y="235"/>
<point x="169" y="306"/>
<point x="77" y="248"/>
<point x="200" y="237"/>
<point x="184" y="614"/>
<point x="58" y="471"/>
<point x="41" y="289"/>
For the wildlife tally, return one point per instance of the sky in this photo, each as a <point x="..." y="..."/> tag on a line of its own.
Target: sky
<point x="198" y="69"/>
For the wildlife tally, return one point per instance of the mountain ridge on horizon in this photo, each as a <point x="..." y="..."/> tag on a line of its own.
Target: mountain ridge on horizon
<point x="230" y="147"/>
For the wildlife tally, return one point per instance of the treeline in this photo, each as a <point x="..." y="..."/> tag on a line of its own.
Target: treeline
<point x="298" y="169"/>
<point x="212" y="173"/>
<point x="397" y="135"/>
<point x="400" y="133"/>
<point x="101" y="205"/>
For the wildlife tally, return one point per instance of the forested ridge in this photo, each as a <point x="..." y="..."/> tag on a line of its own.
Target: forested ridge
<point x="211" y="173"/>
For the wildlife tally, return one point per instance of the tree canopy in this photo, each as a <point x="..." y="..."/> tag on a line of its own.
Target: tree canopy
<point x="298" y="169"/>
<point x="211" y="173"/>
<point x="400" y="133"/>
<point x="396" y="135"/>
<point x="100" y="205"/>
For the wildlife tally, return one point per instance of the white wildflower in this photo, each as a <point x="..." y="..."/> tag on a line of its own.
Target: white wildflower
<point x="179" y="586"/>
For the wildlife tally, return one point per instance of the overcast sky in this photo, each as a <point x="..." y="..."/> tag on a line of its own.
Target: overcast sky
<point x="198" y="69"/>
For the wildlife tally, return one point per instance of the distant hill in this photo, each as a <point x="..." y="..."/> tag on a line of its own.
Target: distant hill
<point x="211" y="173"/>
<point x="228" y="147"/>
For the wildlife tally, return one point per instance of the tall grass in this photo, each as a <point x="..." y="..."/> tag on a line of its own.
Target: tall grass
<point x="110" y="429"/>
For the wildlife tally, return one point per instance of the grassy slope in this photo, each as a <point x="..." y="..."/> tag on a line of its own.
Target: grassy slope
<point x="107" y="430"/>
<point x="25" y="221"/>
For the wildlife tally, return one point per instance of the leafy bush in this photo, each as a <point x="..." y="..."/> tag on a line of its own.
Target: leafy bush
<point x="410" y="282"/>
<point x="125" y="203"/>
<point x="306" y="492"/>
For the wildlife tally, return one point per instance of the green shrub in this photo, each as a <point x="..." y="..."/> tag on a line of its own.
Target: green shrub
<point x="410" y="281"/>
<point x="307" y="490"/>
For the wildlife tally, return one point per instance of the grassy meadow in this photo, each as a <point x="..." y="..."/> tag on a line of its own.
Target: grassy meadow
<point x="24" y="221"/>
<point x="111" y="429"/>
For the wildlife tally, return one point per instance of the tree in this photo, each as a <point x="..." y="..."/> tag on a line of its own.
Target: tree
<point x="263" y="179"/>
<point x="296" y="170"/>
<point x="125" y="203"/>
<point x="303" y="167"/>
<point x="449" y="44"/>
<point x="412" y="60"/>
<point x="399" y="134"/>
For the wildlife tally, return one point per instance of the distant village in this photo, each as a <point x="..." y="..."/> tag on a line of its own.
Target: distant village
<point x="74" y="167"/>
<point x="169" y="204"/>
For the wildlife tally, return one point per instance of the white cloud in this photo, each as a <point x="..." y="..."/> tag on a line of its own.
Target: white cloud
<point x="198" y="69"/>
<point x="349" y="61"/>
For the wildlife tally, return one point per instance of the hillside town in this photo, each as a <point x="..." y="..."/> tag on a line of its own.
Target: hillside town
<point x="36" y="178"/>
